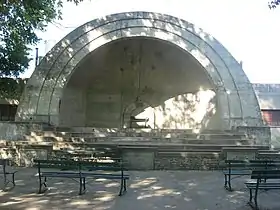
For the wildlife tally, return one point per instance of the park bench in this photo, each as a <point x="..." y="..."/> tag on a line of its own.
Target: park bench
<point x="79" y="171"/>
<point x="136" y="120"/>
<point x="236" y="168"/>
<point x="257" y="185"/>
<point x="7" y="173"/>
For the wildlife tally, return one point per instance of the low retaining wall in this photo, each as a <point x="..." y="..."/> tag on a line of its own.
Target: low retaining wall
<point x="23" y="155"/>
<point x="135" y="158"/>
<point x="261" y="135"/>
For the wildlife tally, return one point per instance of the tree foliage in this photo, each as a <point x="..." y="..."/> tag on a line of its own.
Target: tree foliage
<point x="11" y="89"/>
<point x="19" y="20"/>
<point x="273" y="4"/>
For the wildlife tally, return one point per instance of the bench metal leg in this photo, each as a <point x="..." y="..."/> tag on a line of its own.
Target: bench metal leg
<point x="121" y="187"/>
<point x="82" y="189"/>
<point x="81" y="186"/>
<point x="229" y="183"/>
<point x="256" y="199"/>
<point x="13" y="178"/>
<point x="226" y="182"/>
<point x="124" y="187"/>
<point x="251" y="196"/>
<point x="7" y="180"/>
<point x="41" y="184"/>
<point x="84" y="184"/>
<point x="45" y="182"/>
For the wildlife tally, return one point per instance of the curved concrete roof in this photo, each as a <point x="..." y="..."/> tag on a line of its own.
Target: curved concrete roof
<point x="236" y="97"/>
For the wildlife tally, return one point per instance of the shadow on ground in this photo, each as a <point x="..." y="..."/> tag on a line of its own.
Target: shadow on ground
<point x="159" y="190"/>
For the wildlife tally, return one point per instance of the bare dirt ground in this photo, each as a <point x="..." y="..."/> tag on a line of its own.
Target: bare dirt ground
<point x="147" y="190"/>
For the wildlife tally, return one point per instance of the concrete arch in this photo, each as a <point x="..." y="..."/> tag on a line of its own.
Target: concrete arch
<point x="41" y="98"/>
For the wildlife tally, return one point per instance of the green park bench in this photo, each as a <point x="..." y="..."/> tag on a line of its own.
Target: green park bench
<point x="236" y="168"/>
<point x="257" y="184"/>
<point x="79" y="171"/>
<point x="8" y="175"/>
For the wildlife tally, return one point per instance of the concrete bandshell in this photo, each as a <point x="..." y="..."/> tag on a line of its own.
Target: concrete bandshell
<point x="236" y="97"/>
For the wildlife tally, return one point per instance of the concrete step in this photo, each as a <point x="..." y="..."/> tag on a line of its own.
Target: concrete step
<point x="269" y="151"/>
<point x="158" y="146"/>
<point x="148" y="130"/>
<point x="189" y="154"/>
<point x="55" y="129"/>
<point x="53" y="133"/>
<point x="159" y="140"/>
<point x="159" y="135"/>
<point x="66" y="137"/>
<point x="127" y="138"/>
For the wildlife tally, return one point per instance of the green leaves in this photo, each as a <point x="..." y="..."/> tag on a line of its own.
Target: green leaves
<point x="273" y="4"/>
<point x="11" y="89"/>
<point x="19" y="19"/>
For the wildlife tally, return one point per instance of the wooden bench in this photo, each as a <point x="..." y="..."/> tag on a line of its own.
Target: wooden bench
<point x="6" y="173"/>
<point x="79" y="171"/>
<point x="239" y="168"/>
<point x="136" y="120"/>
<point x="258" y="176"/>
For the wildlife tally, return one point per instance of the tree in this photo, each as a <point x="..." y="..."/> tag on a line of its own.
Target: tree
<point x="273" y="4"/>
<point x="19" y="20"/>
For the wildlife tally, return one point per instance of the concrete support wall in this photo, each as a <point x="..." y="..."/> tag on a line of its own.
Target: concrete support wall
<point x="73" y="107"/>
<point x="268" y="95"/>
<point x="269" y="98"/>
<point x="103" y="110"/>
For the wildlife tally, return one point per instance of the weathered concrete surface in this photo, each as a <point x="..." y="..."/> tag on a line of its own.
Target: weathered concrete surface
<point x="269" y="98"/>
<point x="13" y="131"/>
<point x="275" y="137"/>
<point x="174" y="89"/>
<point x="268" y="95"/>
<point x="181" y="190"/>
<point x="261" y="135"/>
<point x="236" y="100"/>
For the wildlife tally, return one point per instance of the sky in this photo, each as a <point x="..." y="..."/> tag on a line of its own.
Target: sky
<point x="247" y="28"/>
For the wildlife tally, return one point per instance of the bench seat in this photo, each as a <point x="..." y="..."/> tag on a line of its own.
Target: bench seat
<point x="108" y="176"/>
<point x="237" y="172"/>
<point x="62" y="174"/>
<point x="267" y="185"/>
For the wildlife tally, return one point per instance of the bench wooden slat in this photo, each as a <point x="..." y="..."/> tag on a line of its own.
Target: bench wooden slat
<point x="59" y="174"/>
<point x="267" y="184"/>
<point x="236" y="172"/>
<point x="101" y="175"/>
<point x="53" y="162"/>
<point x="265" y="174"/>
<point x="103" y="168"/>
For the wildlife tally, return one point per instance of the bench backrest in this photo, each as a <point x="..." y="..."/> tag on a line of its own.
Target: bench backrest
<point x="265" y="174"/>
<point x="3" y="164"/>
<point x="57" y="164"/>
<point x="110" y="165"/>
<point x="115" y="165"/>
<point x="252" y="164"/>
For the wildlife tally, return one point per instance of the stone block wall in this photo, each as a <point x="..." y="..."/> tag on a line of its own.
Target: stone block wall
<point x="187" y="161"/>
<point x="261" y="135"/>
<point x="23" y="155"/>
